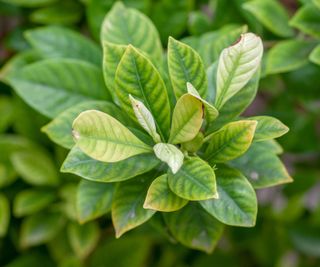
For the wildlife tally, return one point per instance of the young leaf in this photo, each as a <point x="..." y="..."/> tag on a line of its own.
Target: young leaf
<point x="315" y="55"/>
<point x="195" y="144"/>
<point x="287" y="56"/>
<point x="272" y="15"/>
<point x="185" y="65"/>
<point x="127" y="206"/>
<point x="268" y="128"/>
<point x="237" y="64"/>
<point x="170" y="154"/>
<point x="194" y="181"/>
<point x="145" y="118"/>
<point x="53" y="85"/>
<point x="230" y="142"/>
<point x="261" y="166"/>
<point x="31" y="201"/>
<point x="137" y="76"/>
<point x="54" y="41"/>
<point x="161" y="198"/>
<point x="83" y="238"/>
<point x="80" y="164"/>
<point x="93" y="200"/>
<point x="104" y="138"/>
<point x="4" y="215"/>
<point x="194" y="227"/>
<point x="237" y="203"/>
<point x="187" y="119"/>
<point x="123" y="26"/>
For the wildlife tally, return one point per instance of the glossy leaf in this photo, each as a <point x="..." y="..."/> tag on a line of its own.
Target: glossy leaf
<point x="125" y="26"/>
<point x="137" y="76"/>
<point x="54" y="41"/>
<point x="169" y="154"/>
<point x="194" y="227"/>
<point x="187" y="119"/>
<point x="93" y="200"/>
<point x="4" y="215"/>
<point x="185" y="65"/>
<point x="272" y="15"/>
<point x="237" y="203"/>
<point x="237" y="64"/>
<point x="315" y="55"/>
<point x="161" y="198"/>
<point x="104" y="138"/>
<point x="53" y="85"/>
<point x="127" y="206"/>
<point x="195" y="180"/>
<point x="262" y="167"/>
<point x="230" y="142"/>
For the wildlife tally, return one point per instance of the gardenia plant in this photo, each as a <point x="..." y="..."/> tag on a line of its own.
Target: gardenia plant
<point x="162" y="138"/>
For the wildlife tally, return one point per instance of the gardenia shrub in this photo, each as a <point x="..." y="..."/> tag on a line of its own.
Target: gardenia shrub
<point x="150" y="134"/>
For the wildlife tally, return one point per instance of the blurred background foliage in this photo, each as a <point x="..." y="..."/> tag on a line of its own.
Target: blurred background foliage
<point x="45" y="232"/>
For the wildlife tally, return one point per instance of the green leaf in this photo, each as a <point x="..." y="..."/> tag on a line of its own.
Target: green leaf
<point x="83" y="238"/>
<point x="80" y="164"/>
<point x="237" y="64"/>
<point x="185" y="65"/>
<point x="4" y="215"/>
<point x="211" y="113"/>
<point x="262" y="167"/>
<point x="272" y="15"/>
<point x="29" y="3"/>
<point x="195" y="144"/>
<point x="187" y="119"/>
<point x="315" y="55"/>
<point x="127" y="206"/>
<point x="103" y="138"/>
<point x="230" y="142"/>
<point x="307" y="20"/>
<point x="137" y="76"/>
<point x="31" y="201"/>
<point x="7" y="112"/>
<point x="145" y="118"/>
<point x="125" y="26"/>
<point x="194" y="227"/>
<point x="59" y="130"/>
<point x="53" y="85"/>
<point x="40" y="228"/>
<point x="195" y="180"/>
<point x="35" y="167"/>
<point x="161" y="198"/>
<point x="287" y="56"/>
<point x="54" y="41"/>
<point x="93" y="200"/>
<point x="268" y="128"/>
<point x="237" y="203"/>
<point x="169" y="154"/>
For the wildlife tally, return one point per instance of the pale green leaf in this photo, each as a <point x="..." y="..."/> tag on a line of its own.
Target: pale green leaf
<point x="230" y="142"/>
<point x="127" y="206"/>
<point x="187" y="119"/>
<point x="237" y="64"/>
<point x="54" y="41"/>
<point x="261" y="166"/>
<point x="185" y="65"/>
<point x="237" y="203"/>
<point x="83" y="238"/>
<point x="31" y="201"/>
<point x="195" y="180"/>
<point x="315" y="55"/>
<point x="123" y="26"/>
<point x="137" y="76"/>
<point x="80" y="164"/>
<point x="195" y="144"/>
<point x="145" y="118"/>
<point x="4" y="215"/>
<point x="169" y="154"/>
<point x="104" y="138"/>
<point x="93" y="200"/>
<point x="53" y="85"/>
<point x="194" y="227"/>
<point x="161" y="198"/>
<point x="272" y="15"/>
